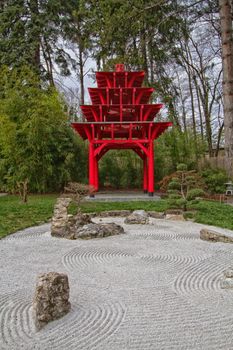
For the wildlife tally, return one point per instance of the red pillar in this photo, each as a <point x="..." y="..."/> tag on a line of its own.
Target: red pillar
<point x="151" y="169"/>
<point x="145" y="175"/>
<point x="96" y="174"/>
<point x="91" y="166"/>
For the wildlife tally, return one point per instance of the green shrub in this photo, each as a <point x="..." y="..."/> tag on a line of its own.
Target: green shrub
<point x="215" y="180"/>
<point x="174" y="185"/>
<point x="183" y="188"/>
<point x="189" y="215"/>
<point x="182" y="167"/>
<point x="195" y="192"/>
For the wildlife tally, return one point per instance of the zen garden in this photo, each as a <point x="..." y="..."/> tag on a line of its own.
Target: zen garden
<point x="116" y="175"/>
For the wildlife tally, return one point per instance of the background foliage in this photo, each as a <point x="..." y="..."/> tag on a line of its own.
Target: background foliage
<point x="176" y="43"/>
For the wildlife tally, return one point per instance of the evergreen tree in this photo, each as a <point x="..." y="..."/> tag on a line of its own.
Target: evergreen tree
<point x="31" y="34"/>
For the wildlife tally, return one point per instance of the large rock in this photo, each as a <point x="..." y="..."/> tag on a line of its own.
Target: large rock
<point x="137" y="217"/>
<point x="51" y="298"/>
<point x="156" y="214"/>
<point x="227" y="281"/>
<point x="97" y="230"/>
<point x="213" y="236"/>
<point x="174" y="217"/>
<point x="63" y="224"/>
<point x="60" y="221"/>
<point x="79" y="220"/>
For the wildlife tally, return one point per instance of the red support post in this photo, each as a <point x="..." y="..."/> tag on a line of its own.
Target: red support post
<point x="151" y="169"/>
<point x="91" y="166"/>
<point x="145" y="175"/>
<point x="96" y="174"/>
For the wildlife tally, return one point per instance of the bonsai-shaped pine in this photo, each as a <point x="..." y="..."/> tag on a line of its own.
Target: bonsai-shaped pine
<point x="184" y="187"/>
<point x="77" y="191"/>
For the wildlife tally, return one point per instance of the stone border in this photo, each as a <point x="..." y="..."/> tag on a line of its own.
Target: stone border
<point x="169" y="215"/>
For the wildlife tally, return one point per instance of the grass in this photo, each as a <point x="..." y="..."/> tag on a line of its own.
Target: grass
<point x="89" y="207"/>
<point x="15" y="215"/>
<point x="214" y="213"/>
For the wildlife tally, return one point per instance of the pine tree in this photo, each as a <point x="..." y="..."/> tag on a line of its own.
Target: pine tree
<point x="31" y="33"/>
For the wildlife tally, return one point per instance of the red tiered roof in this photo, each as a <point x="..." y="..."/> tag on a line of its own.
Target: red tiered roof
<point x="120" y="117"/>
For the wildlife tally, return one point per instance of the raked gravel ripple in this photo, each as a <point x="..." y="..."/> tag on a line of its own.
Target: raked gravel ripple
<point x="157" y="287"/>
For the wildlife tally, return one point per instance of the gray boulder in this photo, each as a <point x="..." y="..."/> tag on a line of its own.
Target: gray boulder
<point x="97" y="230"/>
<point x="121" y="213"/>
<point x="63" y="224"/>
<point x="51" y="298"/>
<point x="213" y="236"/>
<point x="137" y="217"/>
<point x="156" y="214"/>
<point x="227" y="281"/>
<point x="79" y="220"/>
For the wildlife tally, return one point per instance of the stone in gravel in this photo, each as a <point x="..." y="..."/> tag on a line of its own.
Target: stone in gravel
<point x="228" y="273"/>
<point x="98" y="230"/>
<point x="137" y="217"/>
<point x="227" y="281"/>
<point x="60" y="220"/>
<point x="175" y="217"/>
<point x="213" y="236"/>
<point x="156" y="214"/>
<point x="174" y="212"/>
<point x="120" y="213"/>
<point x="79" y="220"/>
<point x="64" y="224"/>
<point x="51" y="298"/>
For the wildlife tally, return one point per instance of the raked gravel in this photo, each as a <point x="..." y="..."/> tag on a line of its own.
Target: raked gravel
<point x="155" y="287"/>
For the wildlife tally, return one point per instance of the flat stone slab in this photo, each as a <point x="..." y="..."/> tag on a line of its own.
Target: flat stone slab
<point x="156" y="287"/>
<point x="137" y="217"/>
<point x="214" y="236"/>
<point x="122" y="196"/>
<point x="99" y="230"/>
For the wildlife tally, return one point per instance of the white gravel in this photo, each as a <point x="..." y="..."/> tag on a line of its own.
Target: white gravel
<point x="156" y="287"/>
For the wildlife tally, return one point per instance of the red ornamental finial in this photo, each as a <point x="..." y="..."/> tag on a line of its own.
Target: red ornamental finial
<point x="119" y="67"/>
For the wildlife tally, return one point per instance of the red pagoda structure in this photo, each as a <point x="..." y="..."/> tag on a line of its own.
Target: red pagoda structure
<point x="120" y="117"/>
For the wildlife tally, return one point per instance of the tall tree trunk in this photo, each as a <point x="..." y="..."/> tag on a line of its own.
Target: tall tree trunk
<point x="192" y="107"/>
<point x="34" y="17"/>
<point x="199" y="107"/>
<point x="227" y="60"/>
<point x="143" y="40"/>
<point x="173" y="114"/>
<point x="81" y="77"/>
<point x="80" y="62"/>
<point x="219" y="139"/>
<point x="151" y="58"/>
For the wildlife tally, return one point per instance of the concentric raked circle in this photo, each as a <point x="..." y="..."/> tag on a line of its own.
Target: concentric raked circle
<point x="83" y="257"/>
<point x="202" y="277"/>
<point x="90" y="325"/>
<point x="31" y="232"/>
